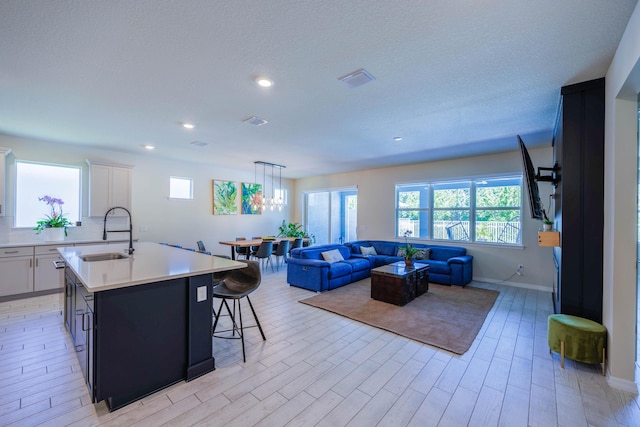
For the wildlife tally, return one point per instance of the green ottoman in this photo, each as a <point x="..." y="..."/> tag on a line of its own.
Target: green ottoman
<point x="578" y="339"/>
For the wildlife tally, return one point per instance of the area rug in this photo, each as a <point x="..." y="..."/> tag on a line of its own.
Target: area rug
<point x="448" y="317"/>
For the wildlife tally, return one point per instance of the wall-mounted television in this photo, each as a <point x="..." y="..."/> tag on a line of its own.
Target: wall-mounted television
<point x="533" y="193"/>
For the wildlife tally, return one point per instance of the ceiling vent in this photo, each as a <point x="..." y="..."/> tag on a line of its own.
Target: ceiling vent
<point x="256" y="121"/>
<point x="199" y="143"/>
<point x="357" y="78"/>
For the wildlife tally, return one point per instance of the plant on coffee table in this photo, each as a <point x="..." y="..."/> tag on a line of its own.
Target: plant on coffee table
<point x="409" y="251"/>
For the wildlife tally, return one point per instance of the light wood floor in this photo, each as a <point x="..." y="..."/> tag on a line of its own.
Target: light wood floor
<point x="317" y="368"/>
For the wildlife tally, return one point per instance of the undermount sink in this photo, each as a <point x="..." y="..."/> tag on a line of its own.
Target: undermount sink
<point x="103" y="257"/>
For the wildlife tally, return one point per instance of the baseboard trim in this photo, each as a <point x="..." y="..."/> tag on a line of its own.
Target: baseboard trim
<point x="624" y="385"/>
<point x="7" y="298"/>
<point x="514" y="284"/>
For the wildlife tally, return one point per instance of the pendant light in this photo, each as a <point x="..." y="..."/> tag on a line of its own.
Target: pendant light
<point x="263" y="202"/>
<point x="256" y="202"/>
<point x="280" y="202"/>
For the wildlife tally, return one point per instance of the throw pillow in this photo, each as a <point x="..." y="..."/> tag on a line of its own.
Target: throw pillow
<point x="368" y="250"/>
<point x="401" y="251"/>
<point x="423" y="253"/>
<point x="332" y="256"/>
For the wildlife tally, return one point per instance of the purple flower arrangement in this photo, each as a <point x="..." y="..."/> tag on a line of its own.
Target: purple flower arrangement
<point x="56" y="218"/>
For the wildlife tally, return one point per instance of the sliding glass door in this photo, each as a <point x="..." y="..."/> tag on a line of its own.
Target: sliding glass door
<point x="331" y="216"/>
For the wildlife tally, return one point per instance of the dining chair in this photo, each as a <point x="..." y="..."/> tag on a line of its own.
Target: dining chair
<point x="297" y="243"/>
<point x="254" y="249"/>
<point x="237" y="284"/>
<point x="281" y="252"/>
<point x="242" y="251"/>
<point x="263" y="254"/>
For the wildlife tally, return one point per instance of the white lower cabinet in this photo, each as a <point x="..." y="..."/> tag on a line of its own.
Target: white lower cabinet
<point x="16" y="270"/>
<point x="45" y="275"/>
<point x="28" y="269"/>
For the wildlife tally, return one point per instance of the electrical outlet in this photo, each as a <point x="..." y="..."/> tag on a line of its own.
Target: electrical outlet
<point x="519" y="269"/>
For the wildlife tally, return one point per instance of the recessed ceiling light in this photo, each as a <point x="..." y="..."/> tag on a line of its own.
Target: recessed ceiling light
<point x="264" y="82"/>
<point x="149" y="147"/>
<point x="397" y="138"/>
<point x="188" y="125"/>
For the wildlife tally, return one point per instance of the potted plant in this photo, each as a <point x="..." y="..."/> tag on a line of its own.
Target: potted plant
<point x="409" y="251"/>
<point x="293" y="229"/>
<point x="55" y="224"/>
<point x="547" y="224"/>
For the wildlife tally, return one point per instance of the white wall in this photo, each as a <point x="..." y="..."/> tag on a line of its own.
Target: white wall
<point x="621" y="181"/>
<point x="376" y="210"/>
<point x="176" y="221"/>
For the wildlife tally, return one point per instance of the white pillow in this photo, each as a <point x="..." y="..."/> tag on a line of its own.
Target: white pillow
<point x="368" y="250"/>
<point x="332" y="256"/>
<point x="423" y="253"/>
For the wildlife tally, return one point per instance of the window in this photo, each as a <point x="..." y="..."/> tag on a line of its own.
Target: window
<point x="480" y="210"/>
<point x="180" y="188"/>
<point x="331" y="216"/>
<point x="451" y="210"/>
<point x="36" y="180"/>
<point x="497" y="214"/>
<point x="412" y="203"/>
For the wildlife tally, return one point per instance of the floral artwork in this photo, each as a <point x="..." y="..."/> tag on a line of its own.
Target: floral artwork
<point x="225" y="198"/>
<point x="251" y="198"/>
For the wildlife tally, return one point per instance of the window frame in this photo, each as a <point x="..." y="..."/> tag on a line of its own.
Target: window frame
<point x="430" y="212"/>
<point x="422" y="211"/>
<point x="71" y="218"/>
<point x="183" y="178"/>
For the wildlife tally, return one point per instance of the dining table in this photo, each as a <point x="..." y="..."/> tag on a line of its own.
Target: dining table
<point x="253" y="242"/>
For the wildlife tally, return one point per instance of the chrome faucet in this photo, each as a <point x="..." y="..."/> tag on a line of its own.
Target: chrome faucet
<point x="130" y="230"/>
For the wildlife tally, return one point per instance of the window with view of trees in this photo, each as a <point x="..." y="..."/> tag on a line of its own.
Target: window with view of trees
<point x="497" y="216"/>
<point x="479" y="210"/>
<point x="451" y="210"/>
<point x="413" y="210"/>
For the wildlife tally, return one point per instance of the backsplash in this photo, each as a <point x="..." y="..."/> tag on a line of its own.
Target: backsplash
<point x="91" y="229"/>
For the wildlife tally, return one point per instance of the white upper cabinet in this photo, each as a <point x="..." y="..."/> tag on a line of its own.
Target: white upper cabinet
<point x="3" y="154"/>
<point x="109" y="186"/>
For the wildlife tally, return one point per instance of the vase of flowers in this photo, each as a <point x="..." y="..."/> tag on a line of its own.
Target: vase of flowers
<point x="409" y="251"/>
<point x="54" y="225"/>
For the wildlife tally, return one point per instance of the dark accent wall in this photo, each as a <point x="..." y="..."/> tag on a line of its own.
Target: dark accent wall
<point x="579" y="199"/>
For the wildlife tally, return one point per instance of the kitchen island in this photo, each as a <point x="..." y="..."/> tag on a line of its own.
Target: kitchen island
<point x="139" y="322"/>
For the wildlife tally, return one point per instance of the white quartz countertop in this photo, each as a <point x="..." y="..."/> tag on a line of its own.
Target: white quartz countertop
<point x="150" y="262"/>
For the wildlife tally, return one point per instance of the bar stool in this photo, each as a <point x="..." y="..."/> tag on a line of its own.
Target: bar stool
<point x="237" y="284"/>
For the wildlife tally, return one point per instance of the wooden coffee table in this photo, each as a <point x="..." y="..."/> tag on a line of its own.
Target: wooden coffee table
<point x="397" y="284"/>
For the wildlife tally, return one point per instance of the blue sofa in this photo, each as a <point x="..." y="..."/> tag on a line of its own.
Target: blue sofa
<point x="306" y="268"/>
<point x="448" y="265"/>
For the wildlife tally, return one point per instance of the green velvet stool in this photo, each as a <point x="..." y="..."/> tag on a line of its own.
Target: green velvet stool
<point x="578" y="339"/>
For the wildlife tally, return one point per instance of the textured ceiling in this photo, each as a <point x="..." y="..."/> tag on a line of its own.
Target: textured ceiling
<point x="453" y="78"/>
